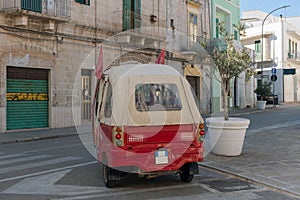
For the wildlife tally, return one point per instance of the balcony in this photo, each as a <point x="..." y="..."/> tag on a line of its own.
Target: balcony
<point x="58" y="10"/>
<point x="132" y="20"/>
<point x="295" y="34"/>
<point x="194" y="49"/>
<point x="139" y="30"/>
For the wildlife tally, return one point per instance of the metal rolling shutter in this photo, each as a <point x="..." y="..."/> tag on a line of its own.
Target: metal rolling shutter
<point x="27" y="98"/>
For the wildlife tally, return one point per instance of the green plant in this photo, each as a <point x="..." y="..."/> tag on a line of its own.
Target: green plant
<point x="264" y="89"/>
<point x="230" y="62"/>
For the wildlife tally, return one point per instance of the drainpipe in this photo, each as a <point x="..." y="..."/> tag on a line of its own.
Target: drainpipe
<point x="282" y="56"/>
<point x="210" y="43"/>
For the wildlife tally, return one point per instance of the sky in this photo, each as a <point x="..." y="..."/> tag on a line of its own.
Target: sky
<point x="269" y="5"/>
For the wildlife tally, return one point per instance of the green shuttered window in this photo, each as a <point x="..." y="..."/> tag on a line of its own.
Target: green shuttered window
<point x="86" y="2"/>
<point x="32" y="5"/>
<point x="131" y="14"/>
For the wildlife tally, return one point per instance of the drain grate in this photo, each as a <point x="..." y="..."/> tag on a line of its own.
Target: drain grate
<point x="229" y="185"/>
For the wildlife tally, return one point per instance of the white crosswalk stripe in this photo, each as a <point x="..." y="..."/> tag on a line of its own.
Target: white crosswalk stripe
<point x="18" y="162"/>
<point x="29" y="158"/>
<point x="11" y="156"/>
<point x="268" y="128"/>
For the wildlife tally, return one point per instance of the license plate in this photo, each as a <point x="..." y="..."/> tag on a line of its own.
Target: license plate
<point x="161" y="156"/>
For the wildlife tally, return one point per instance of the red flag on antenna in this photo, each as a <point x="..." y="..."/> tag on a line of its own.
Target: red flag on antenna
<point x="99" y="67"/>
<point x="161" y="57"/>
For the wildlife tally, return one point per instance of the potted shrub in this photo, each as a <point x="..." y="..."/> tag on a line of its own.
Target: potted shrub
<point x="262" y="91"/>
<point x="226" y="133"/>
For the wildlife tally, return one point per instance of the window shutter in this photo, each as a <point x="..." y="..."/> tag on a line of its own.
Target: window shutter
<point x="235" y="34"/>
<point x="131" y="14"/>
<point x="32" y="5"/>
<point x="86" y="2"/>
<point x="80" y="1"/>
<point x="126" y="14"/>
<point x="217" y="28"/>
<point x="137" y="14"/>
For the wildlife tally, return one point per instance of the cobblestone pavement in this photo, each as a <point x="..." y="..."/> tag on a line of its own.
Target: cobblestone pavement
<point x="269" y="157"/>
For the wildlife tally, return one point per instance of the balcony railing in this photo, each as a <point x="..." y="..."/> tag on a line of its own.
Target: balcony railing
<point x="192" y="41"/>
<point x="131" y="20"/>
<point x="57" y="8"/>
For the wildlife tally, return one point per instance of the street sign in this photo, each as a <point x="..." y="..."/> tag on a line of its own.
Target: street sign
<point x="273" y="70"/>
<point x="273" y="78"/>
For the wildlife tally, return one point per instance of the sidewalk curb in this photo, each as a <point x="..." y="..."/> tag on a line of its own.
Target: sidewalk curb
<point x="252" y="180"/>
<point x="38" y="138"/>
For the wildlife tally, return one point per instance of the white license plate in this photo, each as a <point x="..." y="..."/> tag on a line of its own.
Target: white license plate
<point x="161" y="157"/>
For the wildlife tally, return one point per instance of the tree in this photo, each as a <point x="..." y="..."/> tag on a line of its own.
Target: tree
<point x="230" y="62"/>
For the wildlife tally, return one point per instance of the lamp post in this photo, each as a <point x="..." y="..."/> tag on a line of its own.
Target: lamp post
<point x="262" y="37"/>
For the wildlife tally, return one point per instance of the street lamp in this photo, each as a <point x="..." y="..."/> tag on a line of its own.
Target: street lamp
<point x="262" y="37"/>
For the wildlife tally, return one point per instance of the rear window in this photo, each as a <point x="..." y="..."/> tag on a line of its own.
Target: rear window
<point x="157" y="97"/>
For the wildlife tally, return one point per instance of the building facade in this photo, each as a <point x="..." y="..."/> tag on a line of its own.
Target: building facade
<point x="49" y="51"/>
<point x="277" y="59"/>
<point x="228" y="13"/>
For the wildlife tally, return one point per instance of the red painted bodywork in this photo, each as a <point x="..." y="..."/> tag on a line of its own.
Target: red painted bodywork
<point x="140" y="155"/>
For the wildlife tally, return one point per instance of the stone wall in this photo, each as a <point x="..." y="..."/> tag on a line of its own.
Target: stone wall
<point x="74" y="45"/>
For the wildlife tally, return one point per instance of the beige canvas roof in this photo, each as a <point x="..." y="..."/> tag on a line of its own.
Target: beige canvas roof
<point x="124" y="79"/>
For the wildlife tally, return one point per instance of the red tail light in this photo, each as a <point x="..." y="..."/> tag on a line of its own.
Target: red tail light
<point x="118" y="136"/>
<point x="201" y="132"/>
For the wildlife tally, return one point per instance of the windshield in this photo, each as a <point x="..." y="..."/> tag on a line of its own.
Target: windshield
<point x="157" y="97"/>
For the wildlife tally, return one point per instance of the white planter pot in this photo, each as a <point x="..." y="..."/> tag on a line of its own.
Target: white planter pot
<point x="261" y="105"/>
<point x="227" y="137"/>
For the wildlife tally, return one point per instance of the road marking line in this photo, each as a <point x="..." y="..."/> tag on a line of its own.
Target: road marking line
<point x="45" y="185"/>
<point x="11" y="156"/>
<point x="127" y="192"/>
<point x="37" y="164"/>
<point x="254" y="131"/>
<point x="47" y="171"/>
<point x="53" y="148"/>
<point x="29" y="158"/>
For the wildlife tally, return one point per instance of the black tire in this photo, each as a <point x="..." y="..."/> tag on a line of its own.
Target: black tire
<point x="185" y="175"/>
<point x="107" y="182"/>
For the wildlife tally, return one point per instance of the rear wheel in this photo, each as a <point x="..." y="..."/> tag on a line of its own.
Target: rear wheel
<point x="186" y="175"/>
<point x="106" y="177"/>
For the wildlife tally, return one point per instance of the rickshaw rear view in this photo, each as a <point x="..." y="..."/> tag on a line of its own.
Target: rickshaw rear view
<point x="146" y="121"/>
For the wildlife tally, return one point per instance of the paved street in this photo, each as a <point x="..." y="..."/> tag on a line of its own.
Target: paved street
<point x="61" y="168"/>
<point x="271" y="150"/>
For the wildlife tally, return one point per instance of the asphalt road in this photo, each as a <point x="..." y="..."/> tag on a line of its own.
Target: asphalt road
<point x="63" y="169"/>
<point x="284" y="116"/>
